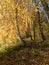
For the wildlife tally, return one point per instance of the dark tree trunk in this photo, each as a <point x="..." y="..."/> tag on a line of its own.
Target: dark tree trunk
<point x="45" y="6"/>
<point x="34" y="29"/>
<point x="22" y="41"/>
<point x="40" y="26"/>
<point x="39" y="21"/>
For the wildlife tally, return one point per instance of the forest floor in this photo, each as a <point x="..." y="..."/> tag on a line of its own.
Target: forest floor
<point x="37" y="54"/>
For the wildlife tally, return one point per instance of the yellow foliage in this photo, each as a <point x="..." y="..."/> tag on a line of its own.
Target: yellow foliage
<point x="8" y="29"/>
<point x="7" y="21"/>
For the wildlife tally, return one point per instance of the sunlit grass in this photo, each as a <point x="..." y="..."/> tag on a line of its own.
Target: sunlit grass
<point x="6" y="46"/>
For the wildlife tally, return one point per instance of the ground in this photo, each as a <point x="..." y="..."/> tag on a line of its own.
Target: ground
<point x="37" y="54"/>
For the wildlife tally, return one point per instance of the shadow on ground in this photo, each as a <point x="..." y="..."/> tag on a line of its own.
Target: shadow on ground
<point x="34" y="54"/>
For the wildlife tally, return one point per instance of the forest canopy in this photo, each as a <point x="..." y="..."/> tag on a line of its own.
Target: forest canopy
<point x="23" y="20"/>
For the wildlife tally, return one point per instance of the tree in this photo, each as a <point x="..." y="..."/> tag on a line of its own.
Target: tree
<point x="46" y="9"/>
<point x="28" y="33"/>
<point x="22" y="41"/>
<point x="40" y="26"/>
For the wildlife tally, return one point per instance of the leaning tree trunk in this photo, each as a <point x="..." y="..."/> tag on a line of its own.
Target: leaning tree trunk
<point x="46" y="8"/>
<point x="39" y="21"/>
<point x="22" y="41"/>
<point x="40" y="26"/>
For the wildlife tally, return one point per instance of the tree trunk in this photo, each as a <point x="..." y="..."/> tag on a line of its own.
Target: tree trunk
<point x="34" y="29"/>
<point x="45" y="6"/>
<point x="39" y="22"/>
<point x="40" y="26"/>
<point x="22" y="41"/>
<point x="29" y="31"/>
